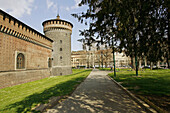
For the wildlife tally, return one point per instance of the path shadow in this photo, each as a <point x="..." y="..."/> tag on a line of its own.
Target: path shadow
<point x="101" y="97"/>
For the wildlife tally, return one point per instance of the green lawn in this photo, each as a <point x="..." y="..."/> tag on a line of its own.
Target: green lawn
<point x="109" y="69"/>
<point x="105" y="69"/>
<point x="153" y="85"/>
<point x="21" y="98"/>
<point x="155" y="82"/>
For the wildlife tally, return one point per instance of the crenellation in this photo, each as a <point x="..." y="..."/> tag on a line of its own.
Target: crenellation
<point x="4" y="16"/>
<point x="9" y="20"/>
<point x="14" y="22"/>
<point x="1" y="17"/>
<point x="19" y="26"/>
<point x="16" y="25"/>
<point x="19" y="38"/>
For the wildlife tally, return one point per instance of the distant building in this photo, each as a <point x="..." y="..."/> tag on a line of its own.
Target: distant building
<point x="98" y="58"/>
<point x="79" y="58"/>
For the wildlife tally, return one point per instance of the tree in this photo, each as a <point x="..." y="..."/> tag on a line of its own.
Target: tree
<point x="137" y="27"/>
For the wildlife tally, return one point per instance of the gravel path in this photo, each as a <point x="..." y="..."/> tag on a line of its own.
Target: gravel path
<point x="98" y="94"/>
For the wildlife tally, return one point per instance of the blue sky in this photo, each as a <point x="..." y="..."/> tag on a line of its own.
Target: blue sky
<point x="34" y="12"/>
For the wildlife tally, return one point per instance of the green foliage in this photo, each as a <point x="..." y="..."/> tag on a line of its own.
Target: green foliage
<point x="21" y="98"/>
<point x="149" y="82"/>
<point x="140" y="28"/>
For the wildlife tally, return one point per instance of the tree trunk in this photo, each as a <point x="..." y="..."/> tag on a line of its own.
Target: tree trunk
<point x="151" y="65"/>
<point x="145" y="61"/>
<point x="132" y="62"/>
<point x="136" y="63"/>
<point x="114" y="63"/>
<point x="134" y="66"/>
<point x="102" y="58"/>
<point x="139" y="66"/>
<point x="167" y="61"/>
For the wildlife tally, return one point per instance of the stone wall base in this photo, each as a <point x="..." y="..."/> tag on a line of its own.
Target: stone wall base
<point x="18" y="77"/>
<point x="61" y="70"/>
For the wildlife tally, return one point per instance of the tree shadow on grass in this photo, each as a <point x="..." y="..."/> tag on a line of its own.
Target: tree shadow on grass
<point x="146" y="85"/>
<point x="61" y="89"/>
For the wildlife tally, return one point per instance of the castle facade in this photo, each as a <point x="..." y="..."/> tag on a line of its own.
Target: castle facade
<point x="27" y="55"/>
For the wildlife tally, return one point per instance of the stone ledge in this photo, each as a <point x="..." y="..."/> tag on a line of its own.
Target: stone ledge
<point x="8" y="79"/>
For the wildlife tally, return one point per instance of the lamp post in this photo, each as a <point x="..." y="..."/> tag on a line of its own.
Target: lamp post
<point x="113" y="51"/>
<point x="102" y="57"/>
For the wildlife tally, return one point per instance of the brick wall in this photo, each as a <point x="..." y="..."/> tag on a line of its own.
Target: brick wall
<point x="36" y="56"/>
<point x="16" y="37"/>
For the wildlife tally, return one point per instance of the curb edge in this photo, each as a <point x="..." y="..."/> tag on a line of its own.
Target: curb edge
<point x="140" y="102"/>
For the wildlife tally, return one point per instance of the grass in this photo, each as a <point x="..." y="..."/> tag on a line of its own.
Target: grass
<point x="105" y="69"/>
<point x="152" y="84"/>
<point x="21" y="98"/>
<point x="155" y="82"/>
<point x="109" y="69"/>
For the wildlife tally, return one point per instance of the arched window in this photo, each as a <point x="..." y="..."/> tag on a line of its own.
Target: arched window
<point x="20" y="61"/>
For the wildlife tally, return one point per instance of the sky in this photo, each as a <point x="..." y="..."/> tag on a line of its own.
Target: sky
<point x="35" y="12"/>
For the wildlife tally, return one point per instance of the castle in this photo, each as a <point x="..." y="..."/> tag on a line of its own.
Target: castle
<point x="27" y="55"/>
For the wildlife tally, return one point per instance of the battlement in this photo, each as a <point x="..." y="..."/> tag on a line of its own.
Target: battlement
<point x="57" y="23"/>
<point x="14" y="27"/>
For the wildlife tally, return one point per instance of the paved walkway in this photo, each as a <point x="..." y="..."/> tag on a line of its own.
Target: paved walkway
<point x="98" y="94"/>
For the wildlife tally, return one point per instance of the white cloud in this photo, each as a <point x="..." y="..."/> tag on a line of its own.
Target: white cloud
<point x="76" y="4"/>
<point x="49" y="4"/>
<point x="17" y="8"/>
<point x="67" y="8"/>
<point x="52" y="4"/>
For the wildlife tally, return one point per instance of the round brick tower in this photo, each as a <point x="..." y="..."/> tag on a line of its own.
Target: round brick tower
<point x="60" y="32"/>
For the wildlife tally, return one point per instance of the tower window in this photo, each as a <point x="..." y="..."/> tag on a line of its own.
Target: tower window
<point x="61" y="57"/>
<point x="20" y="61"/>
<point x="50" y="62"/>
<point x="60" y="41"/>
<point x="61" y="49"/>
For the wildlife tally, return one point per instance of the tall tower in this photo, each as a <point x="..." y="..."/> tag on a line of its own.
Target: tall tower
<point x="60" y="32"/>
